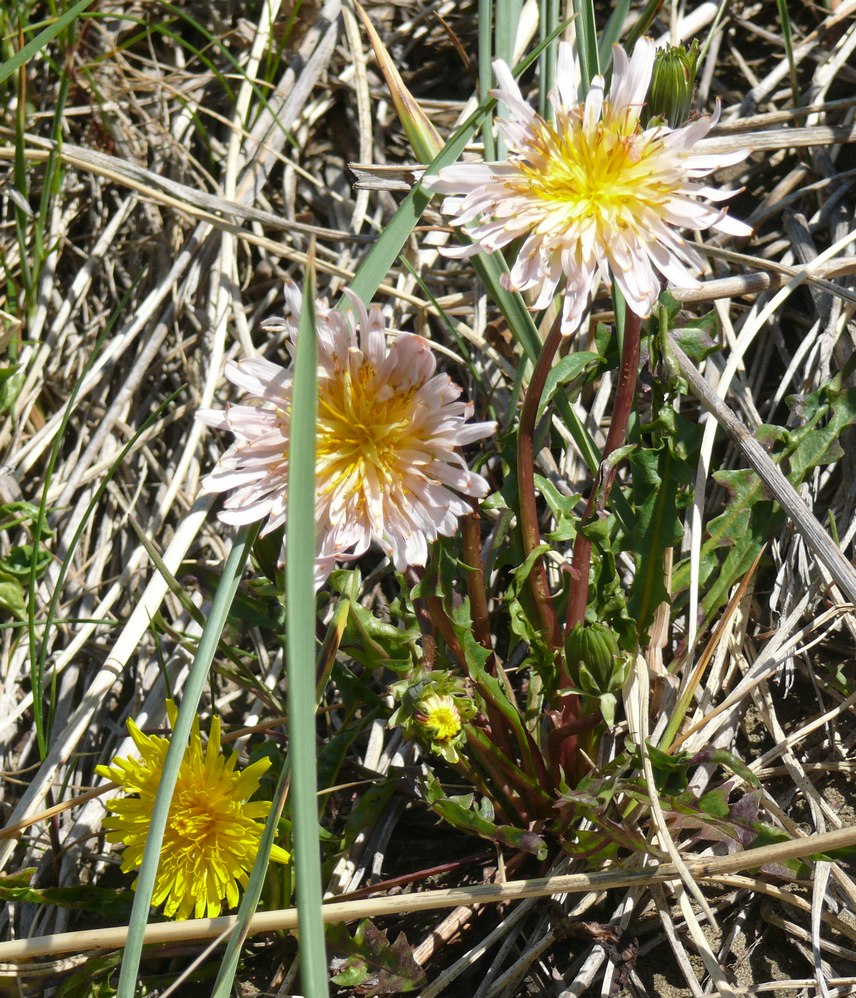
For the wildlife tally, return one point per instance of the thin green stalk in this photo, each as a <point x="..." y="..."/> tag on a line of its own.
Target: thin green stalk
<point x="534" y="799"/>
<point x="22" y="217"/>
<point x="53" y="173"/>
<point x="486" y="73"/>
<point x="196" y="679"/>
<point x="492" y="693"/>
<point x="250" y="900"/>
<point x="503" y="794"/>
<point x="612" y="32"/>
<point x="505" y="35"/>
<point x="586" y="44"/>
<point x="788" y="39"/>
<point x="41" y="40"/>
<point x="300" y="648"/>
<point x="548" y="22"/>
<point x="646" y="19"/>
<point x="502" y="806"/>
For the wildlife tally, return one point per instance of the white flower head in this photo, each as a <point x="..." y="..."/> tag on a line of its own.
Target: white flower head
<point x="594" y="194"/>
<point x="388" y="466"/>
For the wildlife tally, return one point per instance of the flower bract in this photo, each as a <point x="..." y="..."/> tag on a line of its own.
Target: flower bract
<point x="389" y="430"/>
<point x="212" y="834"/>
<point x="592" y="194"/>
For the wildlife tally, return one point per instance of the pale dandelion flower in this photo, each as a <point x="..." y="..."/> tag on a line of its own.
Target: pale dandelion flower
<point x="213" y="831"/>
<point x="592" y="195"/>
<point x="388" y="463"/>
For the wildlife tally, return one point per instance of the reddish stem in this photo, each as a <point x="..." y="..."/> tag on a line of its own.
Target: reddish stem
<point x="441" y="622"/>
<point x="426" y="628"/>
<point x="471" y="547"/>
<point x="526" y="485"/>
<point x="625" y="396"/>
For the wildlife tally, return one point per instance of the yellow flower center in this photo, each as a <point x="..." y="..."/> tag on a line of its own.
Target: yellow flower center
<point x="442" y="717"/>
<point x="195" y="815"/>
<point x="606" y="178"/>
<point x="360" y="434"/>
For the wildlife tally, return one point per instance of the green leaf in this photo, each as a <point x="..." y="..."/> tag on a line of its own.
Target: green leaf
<point x="562" y="508"/>
<point x="715" y="803"/>
<point x="657" y="478"/>
<point x="367" y="962"/>
<point x="11" y="382"/>
<point x="470" y="820"/>
<point x="12" y="596"/>
<point x="20" y="561"/>
<point x="571" y="373"/>
<point x="14" y="514"/>
<point x="697" y="340"/>
<point x="816" y="441"/>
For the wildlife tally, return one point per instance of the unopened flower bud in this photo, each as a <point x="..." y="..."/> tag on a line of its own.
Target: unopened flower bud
<point x="594" y="660"/>
<point x="670" y="95"/>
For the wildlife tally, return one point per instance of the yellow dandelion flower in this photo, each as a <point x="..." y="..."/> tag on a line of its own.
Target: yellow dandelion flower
<point x="212" y="833"/>
<point x="441" y="716"/>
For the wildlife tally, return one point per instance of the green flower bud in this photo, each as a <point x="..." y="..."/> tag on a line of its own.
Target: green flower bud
<point x="434" y="710"/>
<point x="595" y="662"/>
<point x="670" y="95"/>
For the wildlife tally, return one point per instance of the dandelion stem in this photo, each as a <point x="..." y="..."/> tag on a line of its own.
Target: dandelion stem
<point x="625" y="395"/>
<point x="471" y="546"/>
<point x="526" y="484"/>
<point x="441" y="622"/>
<point x="426" y="628"/>
<point x="504" y="794"/>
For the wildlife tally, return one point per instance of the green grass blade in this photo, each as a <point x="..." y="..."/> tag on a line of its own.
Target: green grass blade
<point x="486" y="72"/>
<point x="586" y="43"/>
<point x="250" y="900"/>
<point x="22" y="216"/>
<point x="548" y="23"/>
<point x="612" y="32"/>
<point x="300" y="648"/>
<point x="505" y="31"/>
<point x="788" y="38"/>
<point x="232" y="570"/>
<point x="42" y="39"/>
<point x="646" y="19"/>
